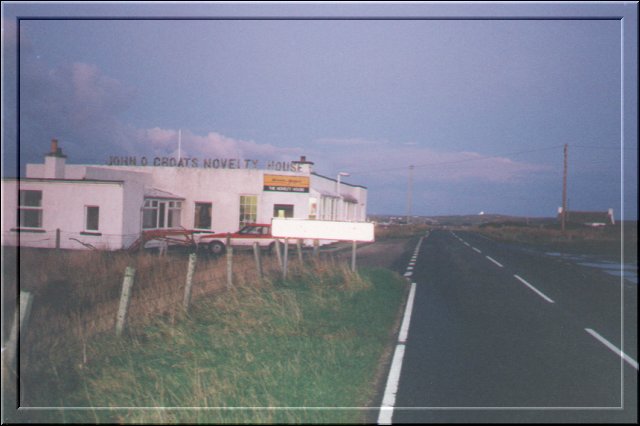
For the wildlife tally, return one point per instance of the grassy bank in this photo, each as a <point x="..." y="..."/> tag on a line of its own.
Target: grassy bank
<point x="239" y="356"/>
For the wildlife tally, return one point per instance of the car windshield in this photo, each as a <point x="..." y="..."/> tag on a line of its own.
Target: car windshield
<point x="251" y="230"/>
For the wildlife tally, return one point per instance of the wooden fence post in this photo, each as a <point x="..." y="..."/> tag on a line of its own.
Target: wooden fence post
<point x="256" y="254"/>
<point x="20" y="320"/>
<point x="58" y="238"/>
<point x="125" y="297"/>
<point x="164" y="247"/>
<point x="316" y="246"/>
<point x="187" y="288"/>
<point x="229" y="267"/>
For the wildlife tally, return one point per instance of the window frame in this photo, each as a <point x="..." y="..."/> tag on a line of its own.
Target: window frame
<point x="245" y="217"/>
<point x="86" y="218"/>
<point x="287" y="208"/>
<point x="162" y="210"/>
<point x="197" y="215"/>
<point x="25" y="208"/>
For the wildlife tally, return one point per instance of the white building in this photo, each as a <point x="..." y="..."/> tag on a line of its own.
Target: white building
<point x="108" y="206"/>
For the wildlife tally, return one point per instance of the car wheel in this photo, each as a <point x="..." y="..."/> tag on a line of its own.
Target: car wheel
<point x="216" y="248"/>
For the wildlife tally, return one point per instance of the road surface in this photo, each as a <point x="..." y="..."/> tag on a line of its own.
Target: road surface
<point x="500" y="333"/>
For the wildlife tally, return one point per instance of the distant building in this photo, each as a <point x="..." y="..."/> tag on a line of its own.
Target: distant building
<point x="108" y="206"/>
<point x="593" y="219"/>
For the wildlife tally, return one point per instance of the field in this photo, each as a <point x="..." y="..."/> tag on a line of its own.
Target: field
<point x="605" y="242"/>
<point x="315" y="339"/>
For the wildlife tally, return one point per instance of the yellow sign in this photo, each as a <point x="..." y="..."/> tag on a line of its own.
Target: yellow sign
<point x="286" y="183"/>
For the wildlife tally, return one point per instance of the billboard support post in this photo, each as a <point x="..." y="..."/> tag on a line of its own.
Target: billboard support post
<point x="353" y="256"/>
<point x="323" y="230"/>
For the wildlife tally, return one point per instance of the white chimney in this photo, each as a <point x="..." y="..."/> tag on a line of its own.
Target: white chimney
<point x="303" y="165"/>
<point x="54" y="162"/>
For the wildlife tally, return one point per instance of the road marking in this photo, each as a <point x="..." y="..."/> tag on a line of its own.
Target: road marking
<point x="389" y="400"/>
<point x="541" y="294"/>
<point x="609" y="345"/>
<point x="467" y="244"/>
<point x="409" y="268"/>
<point x="391" y="390"/>
<point x="475" y="249"/>
<point x="495" y="261"/>
<point x="393" y="381"/>
<point x="404" y="329"/>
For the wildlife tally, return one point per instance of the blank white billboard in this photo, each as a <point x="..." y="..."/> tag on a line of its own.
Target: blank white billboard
<point x="322" y="229"/>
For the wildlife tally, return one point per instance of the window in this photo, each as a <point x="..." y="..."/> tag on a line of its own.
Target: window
<point x="173" y="219"/>
<point x="254" y="230"/>
<point x="92" y="216"/>
<point x="283" y="210"/>
<point x="313" y="208"/>
<point x="248" y="209"/>
<point x="150" y="214"/>
<point x="30" y="209"/>
<point x="161" y="214"/>
<point x="202" y="219"/>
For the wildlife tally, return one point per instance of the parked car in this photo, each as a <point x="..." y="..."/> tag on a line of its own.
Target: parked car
<point x="260" y="233"/>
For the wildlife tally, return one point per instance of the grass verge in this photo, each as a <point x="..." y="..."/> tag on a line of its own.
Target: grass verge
<point x="304" y="350"/>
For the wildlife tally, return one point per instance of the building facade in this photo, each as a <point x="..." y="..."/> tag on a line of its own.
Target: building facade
<point x="108" y="206"/>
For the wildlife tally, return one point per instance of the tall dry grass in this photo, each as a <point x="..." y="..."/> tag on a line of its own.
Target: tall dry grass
<point x="311" y="340"/>
<point x="77" y="295"/>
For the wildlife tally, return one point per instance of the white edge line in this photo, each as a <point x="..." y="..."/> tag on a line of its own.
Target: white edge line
<point x="610" y="345"/>
<point x="404" y="329"/>
<point x="393" y="381"/>
<point x="389" y="400"/>
<point x="495" y="261"/>
<point x="538" y="292"/>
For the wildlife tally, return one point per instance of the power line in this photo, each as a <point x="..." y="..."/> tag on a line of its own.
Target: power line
<point x="369" y="171"/>
<point x="612" y="148"/>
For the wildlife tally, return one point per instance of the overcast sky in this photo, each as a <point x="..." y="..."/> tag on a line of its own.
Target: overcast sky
<point x="480" y="107"/>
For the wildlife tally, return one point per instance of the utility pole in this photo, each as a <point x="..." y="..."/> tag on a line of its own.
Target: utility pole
<point x="564" y="189"/>
<point x="410" y="194"/>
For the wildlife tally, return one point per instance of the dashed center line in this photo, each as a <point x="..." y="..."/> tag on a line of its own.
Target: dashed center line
<point x="475" y="249"/>
<point x="538" y="292"/>
<point x="494" y="261"/>
<point x="610" y="345"/>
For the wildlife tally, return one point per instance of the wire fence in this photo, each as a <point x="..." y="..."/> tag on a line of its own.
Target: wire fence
<point x="60" y="238"/>
<point x="76" y="294"/>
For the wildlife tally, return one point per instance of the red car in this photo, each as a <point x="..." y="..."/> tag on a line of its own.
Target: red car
<point x="251" y="233"/>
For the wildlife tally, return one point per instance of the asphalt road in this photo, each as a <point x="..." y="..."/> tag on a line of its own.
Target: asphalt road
<point x="501" y="333"/>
